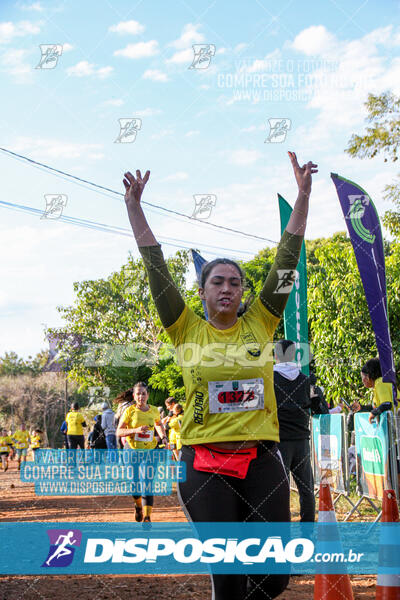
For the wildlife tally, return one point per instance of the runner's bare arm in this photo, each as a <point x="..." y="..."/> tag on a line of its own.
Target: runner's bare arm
<point x="166" y="296"/>
<point x="274" y="296"/>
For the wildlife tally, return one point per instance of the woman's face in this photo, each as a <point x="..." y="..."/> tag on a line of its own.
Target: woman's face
<point x="367" y="381"/>
<point x="140" y="395"/>
<point x="222" y="290"/>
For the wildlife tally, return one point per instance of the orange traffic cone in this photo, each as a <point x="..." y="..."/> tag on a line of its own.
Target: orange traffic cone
<point x="388" y="580"/>
<point x="330" y="586"/>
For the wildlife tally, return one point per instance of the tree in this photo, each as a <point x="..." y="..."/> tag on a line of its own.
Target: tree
<point x="382" y="137"/>
<point x="12" y="364"/>
<point x="122" y="337"/>
<point x="341" y="331"/>
<point x="37" y="401"/>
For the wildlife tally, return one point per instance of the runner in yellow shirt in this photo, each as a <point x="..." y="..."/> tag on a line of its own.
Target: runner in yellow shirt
<point x="230" y="429"/>
<point x="36" y="440"/>
<point x="175" y="424"/>
<point x="75" y="422"/>
<point x="137" y="424"/>
<point x="5" y="447"/>
<point x="21" y="443"/>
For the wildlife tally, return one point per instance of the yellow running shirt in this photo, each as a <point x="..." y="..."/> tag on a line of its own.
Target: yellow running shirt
<point x="175" y="425"/>
<point x="383" y="392"/>
<point x="5" y="443"/>
<point x="233" y="365"/>
<point x="74" y="421"/>
<point x="21" y="439"/>
<point x="36" y="441"/>
<point x="134" y="418"/>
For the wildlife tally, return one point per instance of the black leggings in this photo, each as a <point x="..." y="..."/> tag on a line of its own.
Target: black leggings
<point x="262" y="496"/>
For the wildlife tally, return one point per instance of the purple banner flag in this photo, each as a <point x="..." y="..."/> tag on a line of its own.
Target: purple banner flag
<point x="199" y="261"/>
<point x="366" y="237"/>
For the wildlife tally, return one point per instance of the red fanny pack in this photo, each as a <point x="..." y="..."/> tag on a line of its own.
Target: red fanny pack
<point x="224" y="462"/>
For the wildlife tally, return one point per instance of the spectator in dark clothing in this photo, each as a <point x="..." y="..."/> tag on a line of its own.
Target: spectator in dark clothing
<point x="64" y="429"/>
<point x="319" y="405"/>
<point x="292" y="391"/>
<point x="96" y="438"/>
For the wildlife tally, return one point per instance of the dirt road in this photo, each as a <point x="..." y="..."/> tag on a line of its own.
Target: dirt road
<point x="18" y="502"/>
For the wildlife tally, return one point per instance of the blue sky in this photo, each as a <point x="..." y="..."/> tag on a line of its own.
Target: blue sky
<point x="203" y="131"/>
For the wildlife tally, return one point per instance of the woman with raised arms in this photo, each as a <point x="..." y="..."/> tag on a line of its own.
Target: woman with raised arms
<point x="230" y="426"/>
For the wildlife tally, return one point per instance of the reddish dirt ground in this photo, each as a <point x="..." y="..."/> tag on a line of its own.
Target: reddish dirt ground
<point x="18" y="502"/>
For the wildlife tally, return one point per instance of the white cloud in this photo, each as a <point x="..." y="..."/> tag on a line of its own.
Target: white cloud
<point x="244" y="157"/>
<point x="192" y="132"/>
<point x="46" y="148"/>
<point x="86" y="69"/>
<point x="13" y="63"/>
<point x="314" y="40"/>
<point x="67" y="47"/>
<point x="139" y="50"/>
<point x="155" y="75"/>
<point x="148" y="112"/>
<point x="162" y="133"/>
<point x="9" y="30"/>
<point x="36" y="6"/>
<point x="240" y="47"/>
<point x="183" y="56"/>
<point x="179" y="176"/>
<point x="189" y="36"/>
<point x="116" y="102"/>
<point x="221" y="51"/>
<point x="130" y="27"/>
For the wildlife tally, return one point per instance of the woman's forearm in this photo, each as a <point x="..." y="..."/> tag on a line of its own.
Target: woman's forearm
<point x="298" y="218"/>
<point x="140" y="227"/>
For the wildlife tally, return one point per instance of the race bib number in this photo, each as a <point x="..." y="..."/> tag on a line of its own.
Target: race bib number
<point x="145" y="437"/>
<point x="4" y="448"/>
<point x="236" y="396"/>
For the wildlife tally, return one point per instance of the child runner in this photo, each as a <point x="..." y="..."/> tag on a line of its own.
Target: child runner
<point x="5" y="446"/>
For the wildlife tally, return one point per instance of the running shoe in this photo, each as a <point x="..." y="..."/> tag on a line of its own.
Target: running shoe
<point x="138" y="514"/>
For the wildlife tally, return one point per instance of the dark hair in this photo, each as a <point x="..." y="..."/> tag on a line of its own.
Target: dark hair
<point x="75" y="406"/>
<point x="170" y="400"/>
<point x="372" y="368"/>
<point x="313" y="379"/>
<point x="124" y="396"/>
<point x="285" y="350"/>
<point x="208" y="267"/>
<point x="180" y="408"/>
<point x="140" y="384"/>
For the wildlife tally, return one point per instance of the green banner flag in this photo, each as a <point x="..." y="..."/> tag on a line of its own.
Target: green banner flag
<point x="295" y="315"/>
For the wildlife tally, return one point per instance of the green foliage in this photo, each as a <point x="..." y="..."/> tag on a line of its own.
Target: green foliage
<point x="383" y="136"/>
<point x="341" y="331"/>
<point x="12" y="364"/>
<point x="122" y="337"/>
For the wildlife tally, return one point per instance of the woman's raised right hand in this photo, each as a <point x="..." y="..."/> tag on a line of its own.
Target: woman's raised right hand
<point x="134" y="188"/>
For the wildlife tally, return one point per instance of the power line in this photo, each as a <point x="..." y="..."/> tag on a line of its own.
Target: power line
<point x="115" y="229"/>
<point x="101" y="187"/>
